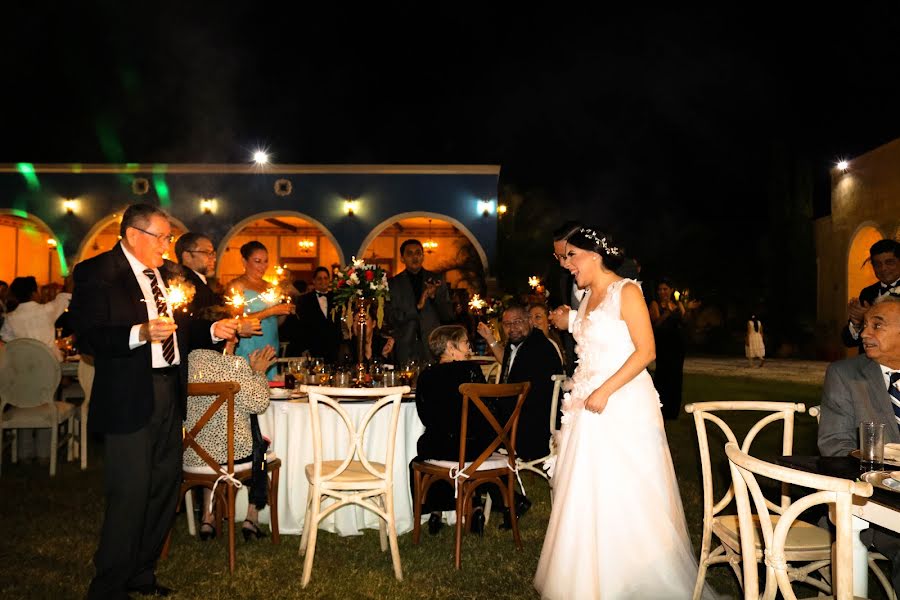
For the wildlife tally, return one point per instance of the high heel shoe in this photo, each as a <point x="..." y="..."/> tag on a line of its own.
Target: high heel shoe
<point x="478" y="521"/>
<point x="251" y="530"/>
<point x="207" y="532"/>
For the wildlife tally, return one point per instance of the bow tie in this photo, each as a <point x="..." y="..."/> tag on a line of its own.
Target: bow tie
<point x="321" y="294"/>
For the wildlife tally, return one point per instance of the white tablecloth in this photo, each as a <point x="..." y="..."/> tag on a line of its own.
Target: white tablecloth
<point x="287" y="424"/>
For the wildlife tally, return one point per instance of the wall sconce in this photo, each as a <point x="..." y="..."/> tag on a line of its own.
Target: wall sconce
<point x="501" y="210"/>
<point x="70" y="205"/>
<point x="208" y="205"/>
<point x="843" y="165"/>
<point x="51" y="243"/>
<point x="306" y="246"/>
<point x="351" y="206"/>
<point x="486" y="207"/>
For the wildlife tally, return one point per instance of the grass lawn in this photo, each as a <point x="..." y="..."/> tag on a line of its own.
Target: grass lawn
<point x="49" y="532"/>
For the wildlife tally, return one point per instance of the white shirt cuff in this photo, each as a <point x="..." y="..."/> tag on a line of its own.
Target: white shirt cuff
<point x="854" y="332"/>
<point x="215" y="339"/>
<point x="134" y="338"/>
<point x="572" y="315"/>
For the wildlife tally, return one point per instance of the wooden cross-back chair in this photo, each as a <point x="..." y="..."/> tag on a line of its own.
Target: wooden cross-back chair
<point x="766" y="536"/>
<point x="807" y="543"/>
<point x="489" y="467"/>
<point x="223" y="480"/>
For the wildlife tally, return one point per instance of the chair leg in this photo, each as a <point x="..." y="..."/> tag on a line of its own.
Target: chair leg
<point x="231" y="527"/>
<point x="382" y="524"/>
<point x="304" y="537"/>
<point x="703" y="563"/>
<point x="417" y="506"/>
<point x="83" y="439"/>
<point x="392" y="534"/>
<point x="459" y="519"/>
<point x="70" y="438"/>
<point x="311" y="529"/>
<point x="513" y="518"/>
<point x="14" y="451"/>
<point x="273" y="505"/>
<point x="54" y="447"/>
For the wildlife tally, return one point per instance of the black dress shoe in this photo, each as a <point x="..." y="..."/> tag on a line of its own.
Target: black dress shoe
<point x="435" y="523"/>
<point x="478" y="521"/>
<point x="522" y="506"/>
<point x="152" y="589"/>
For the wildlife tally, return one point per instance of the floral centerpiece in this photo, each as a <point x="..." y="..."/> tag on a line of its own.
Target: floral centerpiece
<point x="358" y="285"/>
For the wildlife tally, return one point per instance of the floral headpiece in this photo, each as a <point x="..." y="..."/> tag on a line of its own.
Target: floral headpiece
<point x="600" y="241"/>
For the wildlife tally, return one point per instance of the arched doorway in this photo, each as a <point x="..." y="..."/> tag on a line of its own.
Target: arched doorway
<point x="859" y="272"/>
<point x="450" y="248"/>
<point x="30" y="248"/>
<point x="293" y="239"/>
<point x="104" y="235"/>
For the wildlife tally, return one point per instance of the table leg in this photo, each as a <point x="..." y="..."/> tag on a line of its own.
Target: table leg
<point x="860" y="559"/>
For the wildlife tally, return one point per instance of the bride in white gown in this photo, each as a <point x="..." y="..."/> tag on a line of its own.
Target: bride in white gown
<point x="617" y="529"/>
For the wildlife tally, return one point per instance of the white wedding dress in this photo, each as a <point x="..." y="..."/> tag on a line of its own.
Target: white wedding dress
<point x="617" y="529"/>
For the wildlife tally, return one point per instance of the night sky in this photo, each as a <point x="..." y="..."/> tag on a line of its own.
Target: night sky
<point x="702" y="139"/>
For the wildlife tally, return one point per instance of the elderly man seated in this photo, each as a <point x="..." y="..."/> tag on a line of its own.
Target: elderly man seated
<point x="867" y="388"/>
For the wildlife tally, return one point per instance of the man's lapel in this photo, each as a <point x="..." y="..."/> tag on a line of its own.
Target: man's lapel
<point x="881" y="401"/>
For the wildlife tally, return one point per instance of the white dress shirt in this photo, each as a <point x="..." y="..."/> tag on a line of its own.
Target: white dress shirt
<point x="36" y="321"/>
<point x="134" y="340"/>
<point x="201" y="276"/>
<point x="323" y="303"/>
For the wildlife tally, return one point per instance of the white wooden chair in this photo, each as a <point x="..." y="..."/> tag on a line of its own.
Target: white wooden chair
<point x="766" y="537"/>
<point x="81" y="389"/>
<point x="807" y="543"/>
<point x="29" y="377"/>
<point x="536" y="465"/>
<point x="492" y="372"/>
<point x="887" y="586"/>
<point x="354" y="479"/>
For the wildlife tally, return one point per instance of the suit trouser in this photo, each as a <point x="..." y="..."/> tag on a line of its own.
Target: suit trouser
<point x="142" y="479"/>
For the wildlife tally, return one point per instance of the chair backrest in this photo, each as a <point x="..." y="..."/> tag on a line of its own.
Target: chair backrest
<point x="29" y="374"/>
<point x="224" y="391"/>
<point x="86" y="376"/>
<point x="493" y="372"/>
<point x="815" y="411"/>
<point x="828" y="490"/>
<point x="473" y="394"/>
<point x="706" y="412"/>
<point x="330" y="397"/>
<point x="558" y="382"/>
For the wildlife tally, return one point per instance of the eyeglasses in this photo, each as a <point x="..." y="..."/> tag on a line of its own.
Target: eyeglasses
<point x="516" y="322"/>
<point x="559" y="256"/>
<point x="208" y="253"/>
<point x="160" y="237"/>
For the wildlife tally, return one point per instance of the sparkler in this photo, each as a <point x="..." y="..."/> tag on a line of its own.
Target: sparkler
<point x="180" y="294"/>
<point x="239" y="306"/>
<point x="476" y="303"/>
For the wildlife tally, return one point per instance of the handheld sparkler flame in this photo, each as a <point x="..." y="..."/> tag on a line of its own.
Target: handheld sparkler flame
<point x="180" y="293"/>
<point x="270" y="296"/>
<point x="534" y="281"/>
<point x="237" y="302"/>
<point x="476" y="303"/>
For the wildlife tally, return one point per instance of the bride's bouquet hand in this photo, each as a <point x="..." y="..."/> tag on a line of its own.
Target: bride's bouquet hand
<point x="596" y="402"/>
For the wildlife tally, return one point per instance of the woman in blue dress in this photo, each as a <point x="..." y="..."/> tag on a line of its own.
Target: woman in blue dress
<point x="270" y="312"/>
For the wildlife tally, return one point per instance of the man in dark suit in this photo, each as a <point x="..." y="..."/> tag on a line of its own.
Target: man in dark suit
<point x="122" y="318"/>
<point x="867" y="388"/>
<point x="527" y="356"/>
<point x="885" y="258"/>
<point x="312" y="328"/>
<point x="197" y="256"/>
<point x="419" y="303"/>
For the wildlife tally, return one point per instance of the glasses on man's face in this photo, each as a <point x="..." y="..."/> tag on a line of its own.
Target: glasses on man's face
<point x="559" y="257"/>
<point x="515" y="323"/>
<point x="207" y="253"/>
<point x="167" y="238"/>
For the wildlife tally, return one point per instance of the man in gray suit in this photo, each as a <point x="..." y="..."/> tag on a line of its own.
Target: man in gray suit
<point x="419" y="303"/>
<point x="867" y="388"/>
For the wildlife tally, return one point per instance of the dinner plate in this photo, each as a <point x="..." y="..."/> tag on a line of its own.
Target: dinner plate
<point x="883" y="480"/>
<point x="280" y="393"/>
<point x="887" y="461"/>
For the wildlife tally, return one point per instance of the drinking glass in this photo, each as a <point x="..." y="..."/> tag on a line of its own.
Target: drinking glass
<point x="871" y="445"/>
<point x="342" y="379"/>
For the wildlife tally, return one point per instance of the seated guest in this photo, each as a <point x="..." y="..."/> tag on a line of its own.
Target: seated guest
<point x="867" y="388"/>
<point x="439" y="405"/>
<point x="378" y="344"/>
<point x="210" y="366"/>
<point x="30" y="319"/>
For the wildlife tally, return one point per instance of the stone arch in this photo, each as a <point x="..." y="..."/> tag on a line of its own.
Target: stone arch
<point x="102" y="237"/>
<point x="275" y="214"/>
<point x="378" y="229"/>
<point x="55" y="267"/>
<point x="859" y="274"/>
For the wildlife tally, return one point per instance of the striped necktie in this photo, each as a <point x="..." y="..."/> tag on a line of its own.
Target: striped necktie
<point x="894" y="392"/>
<point x="168" y="344"/>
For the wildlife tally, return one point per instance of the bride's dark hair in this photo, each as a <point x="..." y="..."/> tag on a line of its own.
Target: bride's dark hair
<point x="593" y="240"/>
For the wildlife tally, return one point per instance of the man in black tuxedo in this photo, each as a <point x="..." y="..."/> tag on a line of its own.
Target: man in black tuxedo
<point x="419" y="304"/>
<point x="885" y="258"/>
<point x="313" y="327"/>
<point x="197" y="256"/>
<point x="867" y="388"/>
<point x="122" y="318"/>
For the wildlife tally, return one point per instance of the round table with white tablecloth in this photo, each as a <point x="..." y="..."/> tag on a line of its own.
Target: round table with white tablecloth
<point x="287" y="425"/>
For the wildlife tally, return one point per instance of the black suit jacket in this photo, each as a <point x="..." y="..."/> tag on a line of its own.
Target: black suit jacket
<point x="536" y="361"/>
<point x="867" y="295"/>
<point x="107" y="301"/>
<point x="311" y="330"/>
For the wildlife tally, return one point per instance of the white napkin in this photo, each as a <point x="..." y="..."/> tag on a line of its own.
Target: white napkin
<point x="892" y="452"/>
